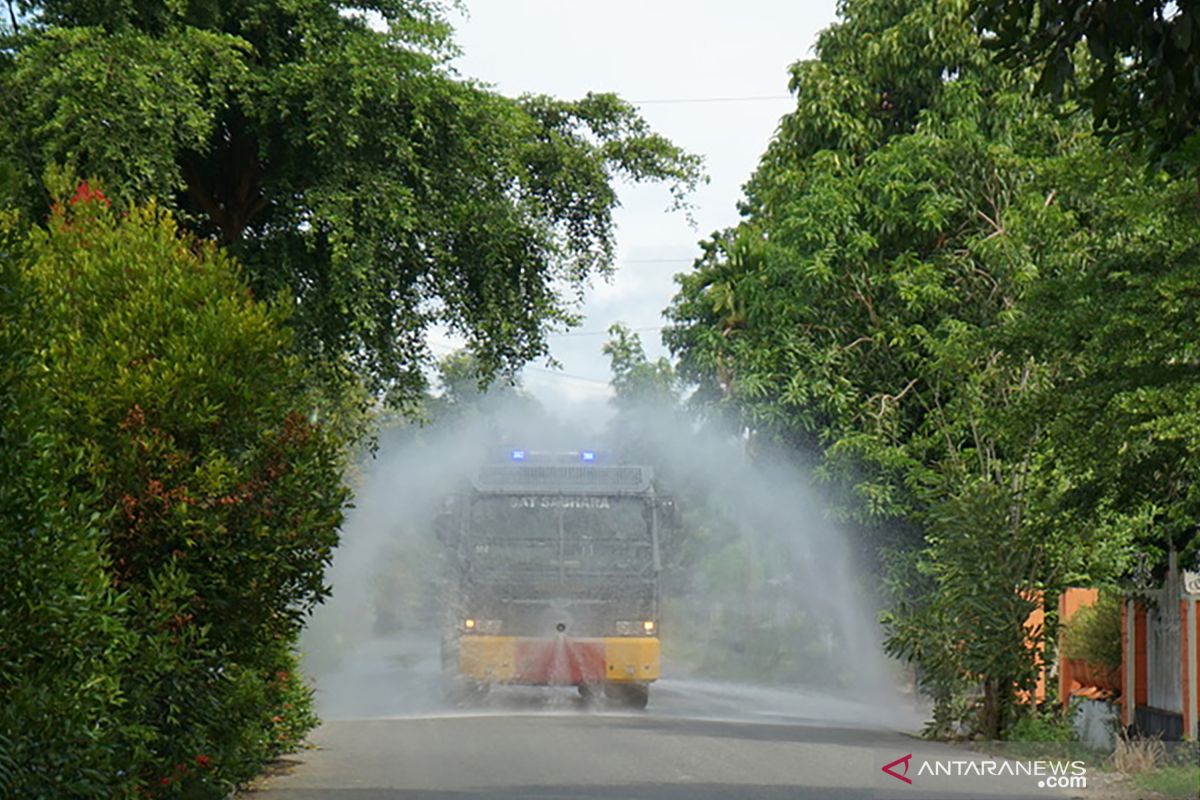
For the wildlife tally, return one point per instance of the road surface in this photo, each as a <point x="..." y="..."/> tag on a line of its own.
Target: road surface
<point x="386" y="739"/>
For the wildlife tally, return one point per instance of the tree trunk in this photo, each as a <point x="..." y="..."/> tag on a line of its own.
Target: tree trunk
<point x="989" y="711"/>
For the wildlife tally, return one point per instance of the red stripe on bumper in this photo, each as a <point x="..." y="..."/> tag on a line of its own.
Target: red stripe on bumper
<point x="559" y="661"/>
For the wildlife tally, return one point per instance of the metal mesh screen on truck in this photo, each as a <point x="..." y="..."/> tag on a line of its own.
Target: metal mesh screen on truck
<point x="579" y="479"/>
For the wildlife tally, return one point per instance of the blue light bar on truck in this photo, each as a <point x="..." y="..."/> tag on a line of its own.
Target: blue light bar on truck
<point x="518" y="455"/>
<point x="587" y="456"/>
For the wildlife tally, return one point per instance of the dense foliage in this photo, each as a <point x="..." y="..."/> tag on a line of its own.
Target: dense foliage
<point x="1140" y="70"/>
<point x="172" y="438"/>
<point x="1094" y="633"/>
<point x="333" y="149"/>
<point x="167" y="508"/>
<point x="978" y="314"/>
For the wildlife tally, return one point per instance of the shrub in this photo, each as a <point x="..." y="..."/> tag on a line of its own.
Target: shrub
<point x="1094" y="632"/>
<point x="1042" y="727"/>
<point x="1134" y="755"/>
<point x="167" y="509"/>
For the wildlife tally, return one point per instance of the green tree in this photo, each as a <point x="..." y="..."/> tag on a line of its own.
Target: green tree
<point x="1094" y="633"/>
<point x="916" y="222"/>
<point x="337" y="154"/>
<point x="1115" y="313"/>
<point x="650" y="420"/>
<point x="169" y="506"/>
<point x="638" y="381"/>
<point x="465" y="391"/>
<point x="1134" y="62"/>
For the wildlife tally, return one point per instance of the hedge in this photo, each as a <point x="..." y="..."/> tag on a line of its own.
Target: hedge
<point x="168" y="504"/>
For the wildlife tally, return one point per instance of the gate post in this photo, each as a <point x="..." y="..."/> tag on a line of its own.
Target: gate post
<point x="1189" y="630"/>
<point x="1135" y="661"/>
<point x="1128" y="664"/>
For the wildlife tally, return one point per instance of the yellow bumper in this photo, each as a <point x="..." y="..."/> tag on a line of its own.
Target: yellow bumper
<point x="627" y="658"/>
<point x="488" y="659"/>
<point x="524" y="660"/>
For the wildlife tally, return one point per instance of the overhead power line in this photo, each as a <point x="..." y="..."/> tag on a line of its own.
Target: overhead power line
<point x="569" y="376"/>
<point x="681" y="100"/>
<point x="565" y="334"/>
<point x="604" y="332"/>
<point x="445" y="346"/>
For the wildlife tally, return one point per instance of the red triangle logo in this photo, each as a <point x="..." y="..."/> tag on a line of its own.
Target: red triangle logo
<point x="904" y="760"/>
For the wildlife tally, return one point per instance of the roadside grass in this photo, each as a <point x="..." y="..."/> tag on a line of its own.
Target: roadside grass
<point x="1047" y="735"/>
<point x="1137" y="755"/>
<point x="1174" y="782"/>
<point x="1169" y="770"/>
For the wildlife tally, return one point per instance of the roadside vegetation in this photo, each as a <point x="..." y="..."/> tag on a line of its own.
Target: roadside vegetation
<point x="1177" y="782"/>
<point x="1094" y="634"/>
<point x="168" y="505"/>
<point x="336" y="153"/>
<point x="967" y="281"/>
<point x="1151" y="765"/>
<point x="965" y="286"/>
<point x="225" y="229"/>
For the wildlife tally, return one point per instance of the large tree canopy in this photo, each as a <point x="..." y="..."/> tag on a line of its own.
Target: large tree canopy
<point x="940" y="281"/>
<point x="335" y="151"/>
<point x="1141" y="71"/>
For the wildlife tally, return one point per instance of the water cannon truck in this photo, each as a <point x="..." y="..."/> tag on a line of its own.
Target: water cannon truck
<point x="553" y="575"/>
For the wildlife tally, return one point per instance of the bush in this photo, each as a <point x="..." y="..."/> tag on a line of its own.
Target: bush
<point x="1135" y="755"/>
<point x="1042" y="727"/>
<point x="1094" y="632"/>
<point x="167" y="509"/>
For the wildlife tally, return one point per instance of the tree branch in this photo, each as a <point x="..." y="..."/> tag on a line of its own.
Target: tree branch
<point x="884" y="399"/>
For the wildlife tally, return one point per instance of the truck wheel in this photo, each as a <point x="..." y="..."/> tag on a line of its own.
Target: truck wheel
<point x="628" y="695"/>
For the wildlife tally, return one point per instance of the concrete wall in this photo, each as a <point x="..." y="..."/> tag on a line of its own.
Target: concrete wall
<point x="1164" y="670"/>
<point x="1096" y="723"/>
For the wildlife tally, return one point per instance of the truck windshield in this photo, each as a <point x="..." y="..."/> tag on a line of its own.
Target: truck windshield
<point x="562" y="534"/>
<point x="537" y="517"/>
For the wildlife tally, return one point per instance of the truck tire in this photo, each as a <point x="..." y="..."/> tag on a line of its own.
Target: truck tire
<point x="588" y="693"/>
<point x="628" y="695"/>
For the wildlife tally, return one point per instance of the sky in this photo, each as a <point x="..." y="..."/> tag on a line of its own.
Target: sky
<point x="711" y="75"/>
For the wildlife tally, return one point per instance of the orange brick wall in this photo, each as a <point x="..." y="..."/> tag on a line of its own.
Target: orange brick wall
<point x="1141" y="658"/>
<point x="1140" y="663"/>
<point x="1069" y="602"/>
<point x="1035" y="623"/>
<point x="1126" y="714"/>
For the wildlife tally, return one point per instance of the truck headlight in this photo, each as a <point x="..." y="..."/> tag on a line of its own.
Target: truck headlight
<point x="472" y="625"/>
<point x="636" y="627"/>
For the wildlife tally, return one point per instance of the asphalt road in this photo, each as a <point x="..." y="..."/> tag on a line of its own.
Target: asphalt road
<point x="387" y="739"/>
